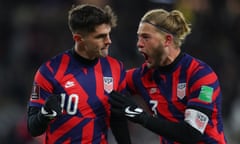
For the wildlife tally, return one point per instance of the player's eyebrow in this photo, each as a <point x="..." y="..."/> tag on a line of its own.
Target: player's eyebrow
<point x="101" y="35"/>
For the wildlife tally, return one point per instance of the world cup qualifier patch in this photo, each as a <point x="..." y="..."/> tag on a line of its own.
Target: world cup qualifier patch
<point x="206" y="94"/>
<point x="35" y="92"/>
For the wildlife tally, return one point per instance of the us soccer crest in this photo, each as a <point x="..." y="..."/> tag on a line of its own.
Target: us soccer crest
<point x="108" y="84"/>
<point x="181" y="90"/>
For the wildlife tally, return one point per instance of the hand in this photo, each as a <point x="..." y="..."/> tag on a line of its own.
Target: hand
<point x="52" y="107"/>
<point x="124" y="105"/>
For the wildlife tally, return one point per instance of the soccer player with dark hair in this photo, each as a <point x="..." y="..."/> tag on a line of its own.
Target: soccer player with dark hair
<point x="182" y="93"/>
<point x="69" y="100"/>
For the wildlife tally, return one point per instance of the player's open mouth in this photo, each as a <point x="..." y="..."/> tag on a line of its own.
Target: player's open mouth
<point x="144" y="55"/>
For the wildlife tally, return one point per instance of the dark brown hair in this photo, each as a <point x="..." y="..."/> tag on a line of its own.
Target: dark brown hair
<point x="84" y="18"/>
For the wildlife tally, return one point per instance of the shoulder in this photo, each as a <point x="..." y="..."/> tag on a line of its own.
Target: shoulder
<point x="138" y="71"/>
<point x="112" y="61"/>
<point x="200" y="71"/>
<point x="53" y="63"/>
<point x="110" y="58"/>
<point x="195" y="64"/>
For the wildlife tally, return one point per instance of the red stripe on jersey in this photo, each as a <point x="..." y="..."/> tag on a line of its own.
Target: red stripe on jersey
<point x="83" y="106"/>
<point x="216" y="93"/>
<point x="164" y="110"/>
<point x="88" y="131"/>
<point x="212" y="131"/>
<point x="64" y="128"/>
<point x="116" y="73"/>
<point x="214" y="134"/>
<point x="103" y="139"/>
<point x="130" y="82"/>
<point x="162" y="106"/>
<point x="180" y="106"/>
<point x="192" y="68"/>
<point x="100" y="89"/>
<point x="49" y="67"/>
<point x="40" y="101"/>
<point x="205" y="80"/>
<point x="63" y="67"/>
<point x="122" y="85"/>
<point x="44" y="83"/>
<point x="68" y="141"/>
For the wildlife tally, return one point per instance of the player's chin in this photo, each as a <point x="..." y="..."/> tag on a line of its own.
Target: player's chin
<point x="103" y="55"/>
<point x="103" y="52"/>
<point x="150" y="63"/>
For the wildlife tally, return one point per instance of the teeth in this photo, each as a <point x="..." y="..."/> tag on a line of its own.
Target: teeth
<point x="146" y="57"/>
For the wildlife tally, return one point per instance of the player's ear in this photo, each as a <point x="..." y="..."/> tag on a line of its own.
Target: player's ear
<point x="77" y="37"/>
<point x="168" y="39"/>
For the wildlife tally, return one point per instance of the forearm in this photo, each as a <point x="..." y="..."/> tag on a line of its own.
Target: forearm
<point x="180" y="132"/>
<point x="37" y="123"/>
<point x="119" y="127"/>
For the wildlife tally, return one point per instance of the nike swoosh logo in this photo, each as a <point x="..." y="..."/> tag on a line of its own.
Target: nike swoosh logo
<point x="69" y="84"/>
<point x="44" y="112"/>
<point x="131" y="113"/>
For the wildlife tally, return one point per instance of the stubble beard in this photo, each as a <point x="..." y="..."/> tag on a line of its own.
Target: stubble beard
<point x="157" y="57"/>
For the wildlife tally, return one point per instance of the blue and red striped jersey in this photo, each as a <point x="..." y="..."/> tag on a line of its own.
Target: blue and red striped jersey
<point x="84" y="89"/>
<point x="168" y="91"/>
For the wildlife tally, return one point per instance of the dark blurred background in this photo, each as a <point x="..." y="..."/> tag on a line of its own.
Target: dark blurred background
<point x="33" y="31"/>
